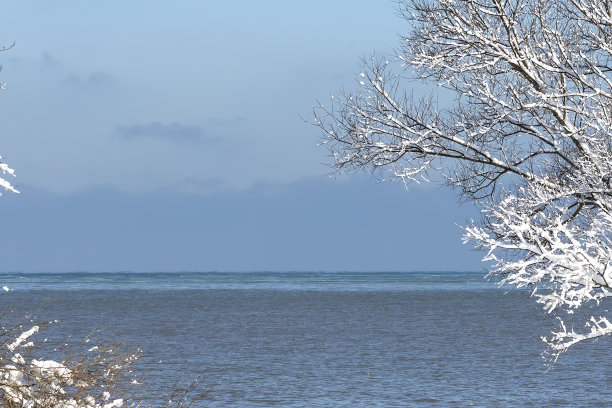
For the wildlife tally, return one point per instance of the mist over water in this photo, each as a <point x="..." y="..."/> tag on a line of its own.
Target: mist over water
<point x="326" y="339"/>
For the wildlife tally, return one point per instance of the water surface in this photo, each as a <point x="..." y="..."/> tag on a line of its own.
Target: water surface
<point x="327" y="339"/>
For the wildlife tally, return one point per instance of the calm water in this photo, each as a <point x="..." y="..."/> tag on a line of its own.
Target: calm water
<point x="326" y="339"/>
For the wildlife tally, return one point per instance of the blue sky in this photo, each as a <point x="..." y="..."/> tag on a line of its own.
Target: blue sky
<point x="155" y="135"/>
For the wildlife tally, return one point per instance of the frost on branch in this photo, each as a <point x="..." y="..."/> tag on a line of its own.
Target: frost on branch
<point x="528" y="137"/>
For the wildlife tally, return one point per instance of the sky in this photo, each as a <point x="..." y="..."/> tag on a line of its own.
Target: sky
<point x="165" y="136"/>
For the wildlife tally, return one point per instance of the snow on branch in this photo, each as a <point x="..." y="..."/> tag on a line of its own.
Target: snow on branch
<point x="4" y="183"/>
<point x="528" y="137"/>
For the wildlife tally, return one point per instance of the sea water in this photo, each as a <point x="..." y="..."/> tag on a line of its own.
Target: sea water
<point x="324" y="339"/>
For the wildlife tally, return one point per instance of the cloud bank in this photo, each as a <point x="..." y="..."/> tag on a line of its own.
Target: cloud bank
<point x="313" y="224"/>
<point x="174" y="131"/>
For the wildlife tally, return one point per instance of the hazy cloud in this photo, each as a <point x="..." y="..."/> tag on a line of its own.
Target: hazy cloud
<point x="232" y="121"/>
<point x="172" y="131"/>
<point x="45" y="62"/>
<point x="49" y="61"/>
<point x="95" y="79"/>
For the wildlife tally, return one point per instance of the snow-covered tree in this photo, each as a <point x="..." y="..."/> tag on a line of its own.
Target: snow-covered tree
<point x="528" y="137"/>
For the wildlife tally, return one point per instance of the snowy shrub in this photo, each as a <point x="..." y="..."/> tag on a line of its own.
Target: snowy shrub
<point x="97" y="376"/>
